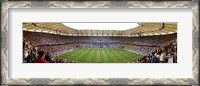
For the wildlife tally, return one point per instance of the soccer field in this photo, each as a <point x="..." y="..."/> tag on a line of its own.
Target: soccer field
<point x="104" y="55"/>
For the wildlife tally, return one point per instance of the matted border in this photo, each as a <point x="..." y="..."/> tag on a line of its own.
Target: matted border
<point x="99" y="81"/>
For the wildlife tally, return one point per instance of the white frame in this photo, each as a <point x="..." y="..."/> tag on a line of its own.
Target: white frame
<point x="99" y="81"/>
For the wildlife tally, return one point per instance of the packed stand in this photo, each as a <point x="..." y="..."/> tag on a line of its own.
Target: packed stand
<point x="164" y="54"/>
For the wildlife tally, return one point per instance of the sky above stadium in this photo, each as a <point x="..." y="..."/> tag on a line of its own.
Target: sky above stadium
<point x="101" y="26"/>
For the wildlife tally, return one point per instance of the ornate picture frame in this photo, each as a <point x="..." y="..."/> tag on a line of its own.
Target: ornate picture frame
<point x="6" y="5"/>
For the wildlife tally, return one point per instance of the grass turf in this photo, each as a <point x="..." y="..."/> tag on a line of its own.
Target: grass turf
<point x="104" y="55"/>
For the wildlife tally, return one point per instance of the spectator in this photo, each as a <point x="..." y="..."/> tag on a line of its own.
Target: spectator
<point x="162" y="57"/>
<point x="170" y="59"/>
<point x="40" y="58"/>
<point x="153" y="58"/>
<point x="48" y="58"/>
<point x="175" y="57"/>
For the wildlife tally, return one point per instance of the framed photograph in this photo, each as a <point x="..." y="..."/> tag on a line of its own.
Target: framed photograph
<point x="100" y="43"/>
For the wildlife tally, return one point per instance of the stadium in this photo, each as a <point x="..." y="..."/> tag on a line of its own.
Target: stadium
<point x="100" y="42"/>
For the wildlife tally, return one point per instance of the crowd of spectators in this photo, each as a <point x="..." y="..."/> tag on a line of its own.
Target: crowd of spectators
<point x="45" y="53"/>
<point x="38" y="38"/>
<point x="155" y="49"/>
<point x="143" y="49"/>
<point x="98" y="45"/>
<point x="163" y="54"/>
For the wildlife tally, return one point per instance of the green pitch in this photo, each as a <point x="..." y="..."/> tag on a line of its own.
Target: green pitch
<point x="104" y="55"/>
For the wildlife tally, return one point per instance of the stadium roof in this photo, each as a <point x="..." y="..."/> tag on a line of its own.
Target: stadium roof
<point x="103" y="29"/>
<point x="101" y="26"/>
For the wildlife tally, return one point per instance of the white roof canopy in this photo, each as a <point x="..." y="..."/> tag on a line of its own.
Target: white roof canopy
<point x="101" y="26"/>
